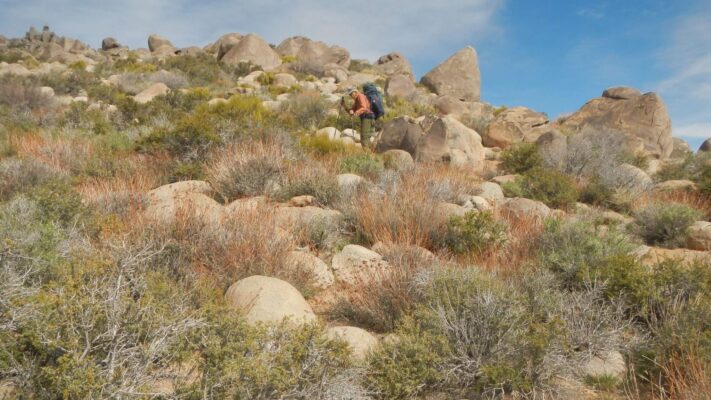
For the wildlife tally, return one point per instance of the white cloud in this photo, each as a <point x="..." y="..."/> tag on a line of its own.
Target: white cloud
<point x="699" y="130"/>
<point x="367" y="29"/>
<point x="687" y="89"/>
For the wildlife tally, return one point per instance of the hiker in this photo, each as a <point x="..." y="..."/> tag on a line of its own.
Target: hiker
<point x="361" y="109"/>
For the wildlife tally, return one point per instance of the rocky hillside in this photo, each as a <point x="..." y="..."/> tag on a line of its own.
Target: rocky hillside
<point x="206" y="223"/>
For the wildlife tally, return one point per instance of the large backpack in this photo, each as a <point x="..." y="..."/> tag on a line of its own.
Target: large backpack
<point x="375" y="99"/>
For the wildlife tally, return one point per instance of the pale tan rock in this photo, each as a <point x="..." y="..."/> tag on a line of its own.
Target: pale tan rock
<point x="514" y="125"/>
<point x="644" y="118"/>
<point x="269" y="300"/>
<point x="402" y="133"/>
<point x="491" y="192"/>
<point x="303" y="261"/>
<point x="699" y="236"/>
<point x="501" y="179"/>
<point x="150" y="93"/>
<point x="156" y="41"/>
<point x="399" y="160"/>
<point x="253" y="49"/>
<point x="610" y="364"/>
<point x="458" y="76"/>
<point x="654" y="255"/>
<point x="448" y="140"/>
<point x="311" y="54"/>
<point x="520" y="207"/>
<point x="401" y="86"/>
<point x="394" y="64"/>
<point x="621" y="93"/>
<point x="284" y="80"/>
<point x="302" y="201"/>
<point x="359" y="340"/>
<point x="356" y="264"/>
<point x="196" y="206"/>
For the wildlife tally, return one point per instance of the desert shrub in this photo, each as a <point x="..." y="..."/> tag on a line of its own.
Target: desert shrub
<point x="380" y="304"/>
<point x="596" y="193"/>
<point x="520" y="158"/>
<point x="80" y="117"/>
<point x="492" y="337"/>
<point x="20" y="175"/>
<point x="398" y="107"/>
<point x="696" y="168"/>
<point x="236" y="360"/>
<point x="22" y="95"/>
<point x="304" y="110"/>
<point x="551" y="187"/>
<point x="499" y="110"/>
<point x="201" y="69"/>
<point x="132" y="64"/>
<point x="407" y="366"/>
<point x="57" y="202"/>
<point x="362" y="164"/>
<point x="665" y="224"/>
<point x="190" y="139"/>
<point x="248" y="169"/>
<point x="322" y="145"/>
<point x="310" y="180"/>
<point x="570" y="249"/>
<point x="475" y="232"/>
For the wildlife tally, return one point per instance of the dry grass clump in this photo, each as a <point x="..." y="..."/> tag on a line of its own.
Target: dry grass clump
<point x="248" y="169"/>
<point x="381" y="302"/>
<point x="249" y="241"/>
<point x="310" y="178"/>
<point x="403" y="211"/>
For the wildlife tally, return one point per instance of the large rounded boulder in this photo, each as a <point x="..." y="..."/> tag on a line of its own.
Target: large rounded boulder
<point x="514" y="125"/>
<point x="641" y="117"/>
<point x="458" y="76"/>
<point x="448" y="140"/>
<point x="263" y="299"/>
<point x="252" y="49"/>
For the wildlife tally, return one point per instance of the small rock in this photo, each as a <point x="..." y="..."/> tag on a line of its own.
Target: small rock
<point x="153" y="91"/>
<point x="303" y="261"/>
<point x="359" y="340"/>
<point x="356" y="264"/>
<point x="399" y="160"/>
<point x="699" y="236"/>
<point x="491" y="192"/>
<point x="609" y="364"/>
<point x="264" y="299"/>
<point x="302" y="201"/>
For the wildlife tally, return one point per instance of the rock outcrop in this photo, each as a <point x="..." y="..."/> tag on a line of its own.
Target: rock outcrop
<point x="263" y="299"/>
<point x="448" y="140"/>
<point x="458" y="76"/>
<point x="641" y="117"/>
<point x="699" y="236"/>
<point x="356" y="264"/>
<point x="150" y="93"/>
<point x="394" y="64"/>
<point x="252" y="49"/>
<point x="160" y="46"/>
<point x="514" y="125"/>
<point x="110" y="43"/>
<point x="402" y="133"/>
<point x="313" y="55"/>
<point x="705" y="146"/>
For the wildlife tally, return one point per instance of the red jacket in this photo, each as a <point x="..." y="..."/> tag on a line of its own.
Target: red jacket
<point x="361" y="105"/>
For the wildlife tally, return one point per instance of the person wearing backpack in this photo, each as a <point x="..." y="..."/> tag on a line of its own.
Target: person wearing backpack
<point x="361" y="109"/>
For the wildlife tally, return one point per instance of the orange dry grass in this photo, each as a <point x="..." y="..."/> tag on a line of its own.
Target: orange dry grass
<point x="407" y="214"/>
<point x="696" y="200"/>
<point x="60" y="153"/>
<point x="138" y="174"/>
<point x="519" y="249"/>
<point x="687" y="378"/>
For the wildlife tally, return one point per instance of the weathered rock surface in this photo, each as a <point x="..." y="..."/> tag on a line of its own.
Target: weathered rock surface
<point x="681" y="149"/>
<point x="400" y="86"/>
<point x="458" y="76"/>
<point x="609" y="364"/>
<point x="448" y="140"/>
<point x="705" y="146"/>
<point x="675" y="185"/>
<point x="642" y="117"/>
<point x="159" y="44"/>
<point x="356" y="264"/>
<point x="253" y="49"/>
<point x="359" y="340"/>
<point x="654" y="255"/>
<point x="520" y="207"/>
<point x="514" y="125"/>
<point x="402" y="133"/>
<point x="491" y="192"/>
<point x="110" y="43"/>
<point x="621" y="93"/>
<point x="399" y="160"/>
<point x="303" y="261"/>
<point x="312" y="54"/>
<point x="394" y="64"/>
<point x="150" y="93"/>
<point x="268" y="300"/>
<point x="699" y="236"/>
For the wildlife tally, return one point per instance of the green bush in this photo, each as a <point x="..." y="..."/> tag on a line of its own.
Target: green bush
<point x="57" y="202"/>
<point x="408" y="365"/>
<point x="598" y="194"/>
<point x="201" y="70"/>
<point x="322" y="145"/>
<point x="364" y="164"/>
<point x="572" y="249"/>
<point x="248" y="177"/>
<point x="520" y="158"/>
<point x="398" y="107"/>
<point x="239" y="361"/>
<point x="190" y="139"/>
<point x="304" y="111"/>
<point x="665" y="225"/>
<point x="549" y="186"/>
<point x="20" y="175"/>
<point x="475" y="232"/>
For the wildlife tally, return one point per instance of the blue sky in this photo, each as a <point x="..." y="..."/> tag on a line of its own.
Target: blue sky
<point x="550" y="55"/>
